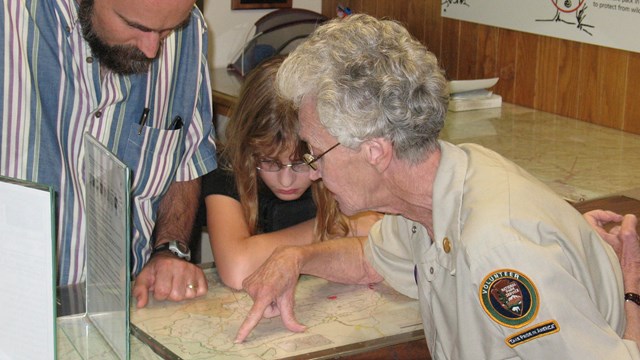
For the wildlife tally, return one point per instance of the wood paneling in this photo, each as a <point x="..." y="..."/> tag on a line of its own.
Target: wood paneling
<point x="417" y="10"/>
<point x="547" y="73"/>
<point x="468" y="51"/>
<point x="526" y="69"/>
<point x="449" y="50"/>
<point x="583" y="81"/>
<point x="568" y="89"/>
<point x="588" y="83"/>
<point x="433" y="37"/>
<point x="506" y="56"/>
<point x="487" y="59"/>
<point x="632" y="106"/>
<point x="612" y="72"/>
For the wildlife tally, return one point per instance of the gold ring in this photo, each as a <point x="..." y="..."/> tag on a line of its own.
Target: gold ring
<point x="191" y="286"/>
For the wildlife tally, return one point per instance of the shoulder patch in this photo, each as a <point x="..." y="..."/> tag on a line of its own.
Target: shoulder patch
<point x="509" y="298"/>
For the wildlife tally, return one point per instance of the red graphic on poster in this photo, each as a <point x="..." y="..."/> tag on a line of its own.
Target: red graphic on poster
<point x="568" y="6"/>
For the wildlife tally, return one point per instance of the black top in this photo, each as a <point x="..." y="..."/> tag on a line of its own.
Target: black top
<point x="273" y="213"/>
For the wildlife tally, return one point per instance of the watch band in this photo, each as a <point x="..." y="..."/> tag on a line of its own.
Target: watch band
<point x="174" y="247"/>
<point x="632" y="297"/>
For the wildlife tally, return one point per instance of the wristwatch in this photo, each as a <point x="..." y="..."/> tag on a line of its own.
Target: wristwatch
<point x="178" y="248"/>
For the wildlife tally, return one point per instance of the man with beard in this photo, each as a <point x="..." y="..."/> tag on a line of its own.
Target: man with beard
<point x="134" y="75"/>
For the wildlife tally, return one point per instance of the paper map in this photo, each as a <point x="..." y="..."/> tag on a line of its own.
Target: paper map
<point x="336" y="316"/>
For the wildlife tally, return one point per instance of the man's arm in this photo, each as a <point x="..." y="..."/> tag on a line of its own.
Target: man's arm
<point x="625" y="242"/>
<point x="168" y="276"/>
<point x="629" y="255"/>
<point x="272" y="286"/>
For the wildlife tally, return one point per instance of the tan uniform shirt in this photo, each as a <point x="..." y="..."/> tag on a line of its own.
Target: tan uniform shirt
<point x="514" y="272"/>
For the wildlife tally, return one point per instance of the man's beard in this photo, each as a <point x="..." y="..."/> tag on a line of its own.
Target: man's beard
<point x="121" y="59"/>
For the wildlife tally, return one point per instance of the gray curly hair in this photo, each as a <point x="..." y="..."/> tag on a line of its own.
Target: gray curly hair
<point x="371" y="79"/>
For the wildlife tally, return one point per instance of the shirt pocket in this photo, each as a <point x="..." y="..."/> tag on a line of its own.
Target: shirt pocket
<point x="154" y="155"/>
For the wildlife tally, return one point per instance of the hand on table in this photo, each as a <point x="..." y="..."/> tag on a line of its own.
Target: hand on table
<point x="272" y="288"/>
<point x="169" y="277"/>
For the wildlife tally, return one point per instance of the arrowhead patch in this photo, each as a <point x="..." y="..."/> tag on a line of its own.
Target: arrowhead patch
<point x="509" y="298"/>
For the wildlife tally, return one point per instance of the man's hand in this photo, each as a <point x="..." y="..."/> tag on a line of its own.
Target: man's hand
<point x="169" y="277"/>
<point x="623" y="238"/>
<point x="599" y="219"/>
<point x="272" y="288"/>
<point x="627" y="248"/>
<point x="272" y="285"/>
<point x="626" y="244"/>
<point x="621" y="232"/>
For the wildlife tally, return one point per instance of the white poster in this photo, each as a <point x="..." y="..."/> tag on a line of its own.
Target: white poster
<point x="610" y="23"/>
<point x="27" y="271"/>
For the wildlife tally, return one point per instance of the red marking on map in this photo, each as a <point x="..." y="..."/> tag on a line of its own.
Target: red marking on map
<point x="332" y="297"/>
<point x="567" y="6"/>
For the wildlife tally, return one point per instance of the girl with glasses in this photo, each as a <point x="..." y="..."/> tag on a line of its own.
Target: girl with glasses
<point x="261" y="196"/>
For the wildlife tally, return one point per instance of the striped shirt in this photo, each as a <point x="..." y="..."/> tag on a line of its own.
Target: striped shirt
<point x="52" y="93"/>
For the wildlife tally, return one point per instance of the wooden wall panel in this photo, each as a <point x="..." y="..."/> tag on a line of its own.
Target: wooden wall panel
<point x="449" y="47"/>
<point x="416" y="12"/>
<point x="546" y="81"/>
<point x="329" y="8"/>
<point x="386" y="10"/>
<point x="568" y="87"/>
<point x="632" y="105"/>
<point x="583" y="81"/>
<point x="369" y="7"/>
<point x="468" y="51"/>
<point x="433" y="36"/>
<point x="487" y="58"/>
<point x="526" y="69"/>
<point x="588" y="83"/>
<point x="612" y="72"/>
<point x="507" y="50"/>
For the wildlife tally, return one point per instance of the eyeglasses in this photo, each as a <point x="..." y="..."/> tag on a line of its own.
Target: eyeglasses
<point x="311" y="160"/>
<point x="270" y="165"/>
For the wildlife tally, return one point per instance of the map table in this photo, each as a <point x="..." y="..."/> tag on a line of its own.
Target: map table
<point x="340" y="319"/>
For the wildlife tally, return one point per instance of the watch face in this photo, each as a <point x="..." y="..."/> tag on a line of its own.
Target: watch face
<point x="178" y="248"/>
<point x="181" y="247"/>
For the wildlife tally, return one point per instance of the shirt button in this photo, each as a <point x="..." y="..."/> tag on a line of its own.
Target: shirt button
<point x="98" y="114"/>
<point x="89" y="59"/>
<point x="414" y="229"/>
<point x="446" y="244"/>
<point x="431" y="270"/>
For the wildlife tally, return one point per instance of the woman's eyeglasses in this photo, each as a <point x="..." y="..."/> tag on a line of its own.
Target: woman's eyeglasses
<point x="270" y="165"/>
<point x="310" y="160"/>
